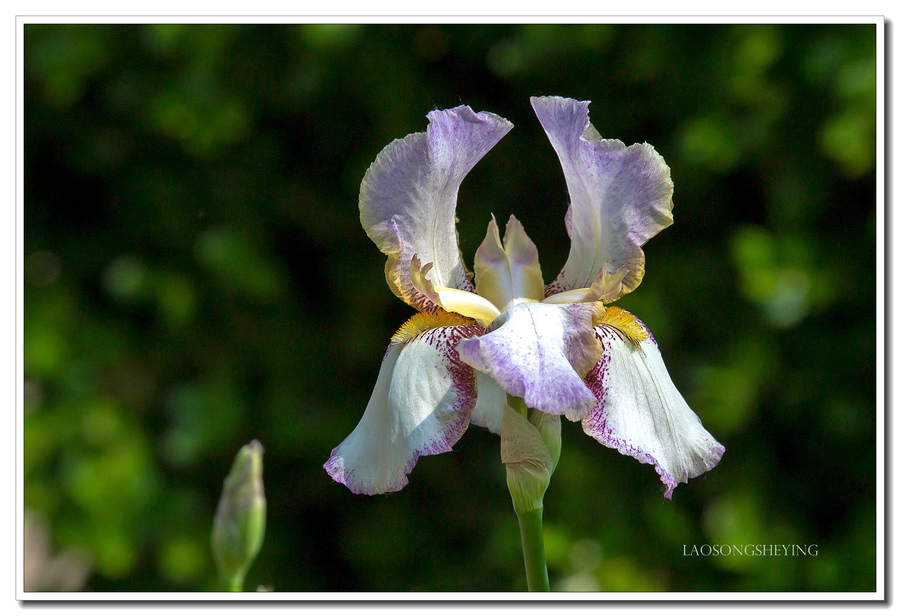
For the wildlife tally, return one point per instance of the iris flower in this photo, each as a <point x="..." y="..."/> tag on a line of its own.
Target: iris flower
<point x="562" y="348"/>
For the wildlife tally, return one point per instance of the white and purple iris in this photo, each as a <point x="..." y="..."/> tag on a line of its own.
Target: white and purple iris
<point x="561" y="348"/>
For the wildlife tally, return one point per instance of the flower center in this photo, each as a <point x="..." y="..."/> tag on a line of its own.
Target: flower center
<point x="508" y="273"/>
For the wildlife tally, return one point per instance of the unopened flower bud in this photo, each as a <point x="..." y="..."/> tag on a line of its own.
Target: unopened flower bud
<point x="240" y="522"/>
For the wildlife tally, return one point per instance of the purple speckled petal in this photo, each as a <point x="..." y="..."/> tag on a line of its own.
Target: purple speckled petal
<point x="407" y="200"/>
<point x="540" y="353"/>
<point x="620" y="196"/>
<point x="641" y="413"/>
<point x="421" y="405"/>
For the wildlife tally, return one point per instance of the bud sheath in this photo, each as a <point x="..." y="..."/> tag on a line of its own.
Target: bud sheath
<point x="240" y="522"/>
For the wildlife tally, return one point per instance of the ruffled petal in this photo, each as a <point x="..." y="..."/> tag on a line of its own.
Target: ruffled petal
<point x="421" y="405"/>
<point x="540" y="352"/>
<point x="641" y="413"/>
<point x="407" y="200"/>
<point x="620" y="196"/>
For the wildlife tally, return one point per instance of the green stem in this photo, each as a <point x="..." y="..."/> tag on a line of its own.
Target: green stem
<point x="530" y="527"/>
<point x="236" y="584"/>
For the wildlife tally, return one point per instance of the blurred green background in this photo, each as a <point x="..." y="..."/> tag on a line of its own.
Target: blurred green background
<point x="196" y="276"/>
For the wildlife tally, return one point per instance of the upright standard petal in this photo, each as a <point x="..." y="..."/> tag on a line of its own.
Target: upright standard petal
<point x="541" y="353"/>
<point x="407" y="200"/>
<point x="641" y="413"/>
<point x="421" y="405"/>
<point x="620" y="196"/>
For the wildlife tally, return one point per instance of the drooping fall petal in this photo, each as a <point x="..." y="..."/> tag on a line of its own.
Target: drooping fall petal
<point x="640" y="412"/>
<point x="540" y="353"/>
<point x="422" y="403"/>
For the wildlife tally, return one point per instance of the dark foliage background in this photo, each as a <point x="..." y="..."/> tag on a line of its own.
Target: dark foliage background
<point x="196" y="276"/>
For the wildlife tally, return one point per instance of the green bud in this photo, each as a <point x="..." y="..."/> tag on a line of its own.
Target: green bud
<point x="240" y="522"/>
<point x="529" y="463"/>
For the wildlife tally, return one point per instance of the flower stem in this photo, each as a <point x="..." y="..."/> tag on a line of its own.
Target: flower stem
<point x="236" y="584"/>
<point x="530" y="527"/>
<point x="525" y="450"/>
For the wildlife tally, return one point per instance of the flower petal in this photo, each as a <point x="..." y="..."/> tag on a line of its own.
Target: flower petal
<point x="540" y="352"/>
<point x="641" y="413"/>
<point x="488" y="411"/>
<point x="620" y="197"/>
<point x="407" y="200"/>
<point x="421" y="405"/>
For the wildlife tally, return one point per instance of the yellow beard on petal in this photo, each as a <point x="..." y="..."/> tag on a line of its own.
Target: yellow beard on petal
<point x="623" y="321"/>
<point x="423" y="321"/>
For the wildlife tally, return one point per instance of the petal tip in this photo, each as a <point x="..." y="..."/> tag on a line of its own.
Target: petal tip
<point x="549" y="101"/>
<point x="466" y="114"/>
